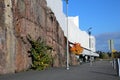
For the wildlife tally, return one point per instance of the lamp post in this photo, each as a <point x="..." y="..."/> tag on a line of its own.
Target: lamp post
<point x="67" y="64"/>
<point x="89" y="32"/>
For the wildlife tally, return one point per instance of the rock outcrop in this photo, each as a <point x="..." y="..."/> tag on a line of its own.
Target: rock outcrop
<point x="20" y="18"/>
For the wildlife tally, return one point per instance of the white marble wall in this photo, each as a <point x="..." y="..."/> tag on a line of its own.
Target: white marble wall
<point x="74" y="32"/>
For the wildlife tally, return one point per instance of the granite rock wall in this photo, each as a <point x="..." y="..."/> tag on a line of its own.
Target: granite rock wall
<point x="20" y="18"/>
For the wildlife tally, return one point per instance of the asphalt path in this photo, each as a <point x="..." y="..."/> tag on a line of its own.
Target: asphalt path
<point x="100" y="70"/>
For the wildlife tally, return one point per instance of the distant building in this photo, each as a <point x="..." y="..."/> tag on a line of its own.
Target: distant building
<point x="75" y="34"/>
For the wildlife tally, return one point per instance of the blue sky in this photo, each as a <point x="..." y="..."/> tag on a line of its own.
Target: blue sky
<point x="102" y="15"/>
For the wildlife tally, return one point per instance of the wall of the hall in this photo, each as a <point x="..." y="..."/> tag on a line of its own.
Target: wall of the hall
<point x="75" y="34"/>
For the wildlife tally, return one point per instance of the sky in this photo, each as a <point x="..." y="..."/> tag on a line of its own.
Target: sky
<point x="102" y="15"/>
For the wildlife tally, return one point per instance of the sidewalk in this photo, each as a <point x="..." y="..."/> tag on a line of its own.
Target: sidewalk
<point x="100" y="70"/>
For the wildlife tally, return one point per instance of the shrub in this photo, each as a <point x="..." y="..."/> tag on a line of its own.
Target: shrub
<point x="40" y="54"/>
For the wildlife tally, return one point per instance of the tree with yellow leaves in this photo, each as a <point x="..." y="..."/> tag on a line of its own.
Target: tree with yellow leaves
<point x="114" y="55"/>
<point x="76" y="49"/>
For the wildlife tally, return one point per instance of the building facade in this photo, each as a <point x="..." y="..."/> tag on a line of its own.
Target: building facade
<point x="75" y="34"/>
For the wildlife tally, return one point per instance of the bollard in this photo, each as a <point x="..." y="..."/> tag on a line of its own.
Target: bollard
<point x="114" y="63"/>
<point x="118" y="66"/>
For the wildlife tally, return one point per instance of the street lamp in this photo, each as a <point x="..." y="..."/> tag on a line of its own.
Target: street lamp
<point x="89" y="32"/>
<point x="67" y="64"/>
<point x="67" y="35"/>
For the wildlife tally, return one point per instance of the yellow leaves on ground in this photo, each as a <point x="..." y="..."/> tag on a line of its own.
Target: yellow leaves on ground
<point x="76" y="49"/>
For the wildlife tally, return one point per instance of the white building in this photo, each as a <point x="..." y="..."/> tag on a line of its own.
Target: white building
<point x="74" y="32"/>
<point x="77" y="35"/>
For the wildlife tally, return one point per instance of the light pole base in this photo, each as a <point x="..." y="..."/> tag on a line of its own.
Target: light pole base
<point x="68" y="68"/>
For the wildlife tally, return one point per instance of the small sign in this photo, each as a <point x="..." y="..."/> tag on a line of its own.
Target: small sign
<point x="111" y="44"/>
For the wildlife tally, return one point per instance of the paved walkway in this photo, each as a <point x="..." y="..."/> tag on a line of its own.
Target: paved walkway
<point x="100" y="70"/>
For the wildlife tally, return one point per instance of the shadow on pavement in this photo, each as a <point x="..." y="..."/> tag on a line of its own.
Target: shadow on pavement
<point x="109" y="74"/>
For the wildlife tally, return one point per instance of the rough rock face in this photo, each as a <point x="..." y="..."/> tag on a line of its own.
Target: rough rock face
<point x="2" y="37"/>
<point x="36" y="19"/>
<point x="20" y="18"/>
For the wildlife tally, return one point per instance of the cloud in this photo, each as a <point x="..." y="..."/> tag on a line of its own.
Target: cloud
<point x="102" y="41"/>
